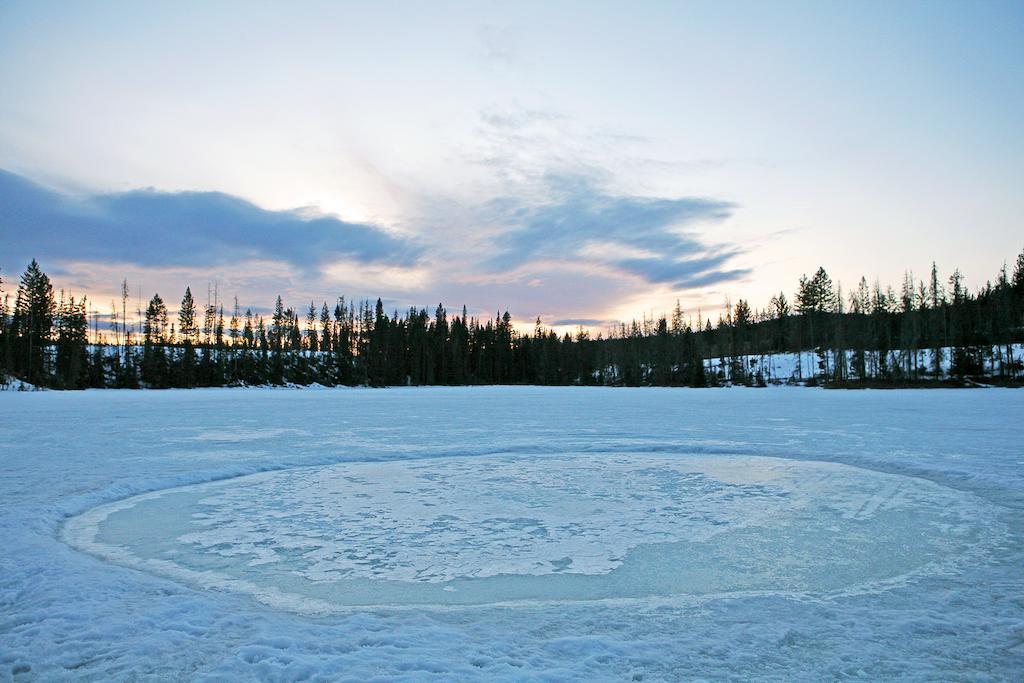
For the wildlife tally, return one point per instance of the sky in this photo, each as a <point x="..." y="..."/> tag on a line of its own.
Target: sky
<point x="582" y="162"/>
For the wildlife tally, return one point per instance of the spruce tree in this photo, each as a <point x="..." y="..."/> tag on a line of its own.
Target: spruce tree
<point x="5" y="333"/>
<point x="154" y="332"/>
<point x="1018" y="275"/>
<point x="187" y="317"/>
<point x="277" y="338"/>
<point x="154" y="327"/>
<point x="34" y="310"/>
<point x="312" y="339"/>
<point x="326" y="333"/>
<point x="187" y="328"/>
<point x="937" y="326"/>
<point x="72" y="333"/>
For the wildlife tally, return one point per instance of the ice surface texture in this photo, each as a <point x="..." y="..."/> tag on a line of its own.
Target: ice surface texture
<point x="904" y="563"/>
<point x="480" y="530"/>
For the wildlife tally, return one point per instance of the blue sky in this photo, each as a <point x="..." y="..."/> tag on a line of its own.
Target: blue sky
<point x="577" y="161"/>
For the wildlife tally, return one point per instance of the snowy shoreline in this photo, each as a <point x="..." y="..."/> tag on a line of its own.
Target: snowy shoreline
<point x="779" y="369"/>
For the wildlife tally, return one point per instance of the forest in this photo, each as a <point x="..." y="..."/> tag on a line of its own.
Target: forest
<point x="930" y="331"/>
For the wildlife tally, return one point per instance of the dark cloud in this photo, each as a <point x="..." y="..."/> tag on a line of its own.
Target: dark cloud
<point x="687" y="273"/>
<point x="170" y="229"/>
<point x="579" y="215"/>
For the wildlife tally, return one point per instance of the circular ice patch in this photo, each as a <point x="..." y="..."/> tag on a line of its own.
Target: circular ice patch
<point x="503" y="529"/>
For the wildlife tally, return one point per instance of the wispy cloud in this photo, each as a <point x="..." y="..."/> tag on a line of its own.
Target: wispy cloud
<point x="498" y="44"/>
<point x="649" y="238"/>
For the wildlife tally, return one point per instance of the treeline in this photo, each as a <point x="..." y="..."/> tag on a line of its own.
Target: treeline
<point x="926" y="330"/>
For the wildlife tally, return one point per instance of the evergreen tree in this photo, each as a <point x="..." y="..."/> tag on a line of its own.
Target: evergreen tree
<point x="1018" y="275"/>
<point x="326" y="333"/>
<point x="187" y="318"/>
<point x="312" y="339"/>
<point x="155" y="327"/>
<point x="72" y="338"/>
<point x="6" y="335"/>
<point x="32" y="325"/>
<point x="154" y="331"/>
<point x="188" y="330"/>
<point x="937" y="326"/>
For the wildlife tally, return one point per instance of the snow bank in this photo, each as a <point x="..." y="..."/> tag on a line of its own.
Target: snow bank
<point x="14" y="384"/>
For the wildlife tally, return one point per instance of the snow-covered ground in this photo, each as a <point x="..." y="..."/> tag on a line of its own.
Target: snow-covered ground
<point x="512" y="533"/>
<point x="793" y="367"/>
<point x="8" y="383"/>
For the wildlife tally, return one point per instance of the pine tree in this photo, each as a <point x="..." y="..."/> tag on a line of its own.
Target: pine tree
<point x="209" y="323"/>
<point x="840" y="371"/>
<point x="1018" y="275"/>
<point x="34" y="309"/>
<point x="234" y="326"/>
<point x="742" y="319"/>
<point x="187" y="328"/>
<point x="124" y="351"/>
<point x="218" y="329"/>
<point x="326" y="333"/>
<point x="440" y="329"/>
<point x="156" y="322"/>
<point x="937" y="327"/>
<point x="72" y="333"/>
<point x="312" y="338"/>
<point x="5" y="334"/>
<point x="155" y="330"/>
<point x="815" y="301"/>
<point x="187" y="317"/>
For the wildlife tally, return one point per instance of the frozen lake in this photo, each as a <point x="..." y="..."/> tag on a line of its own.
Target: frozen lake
<point x="512" y="532"/>
<point x="491" y="529"/>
